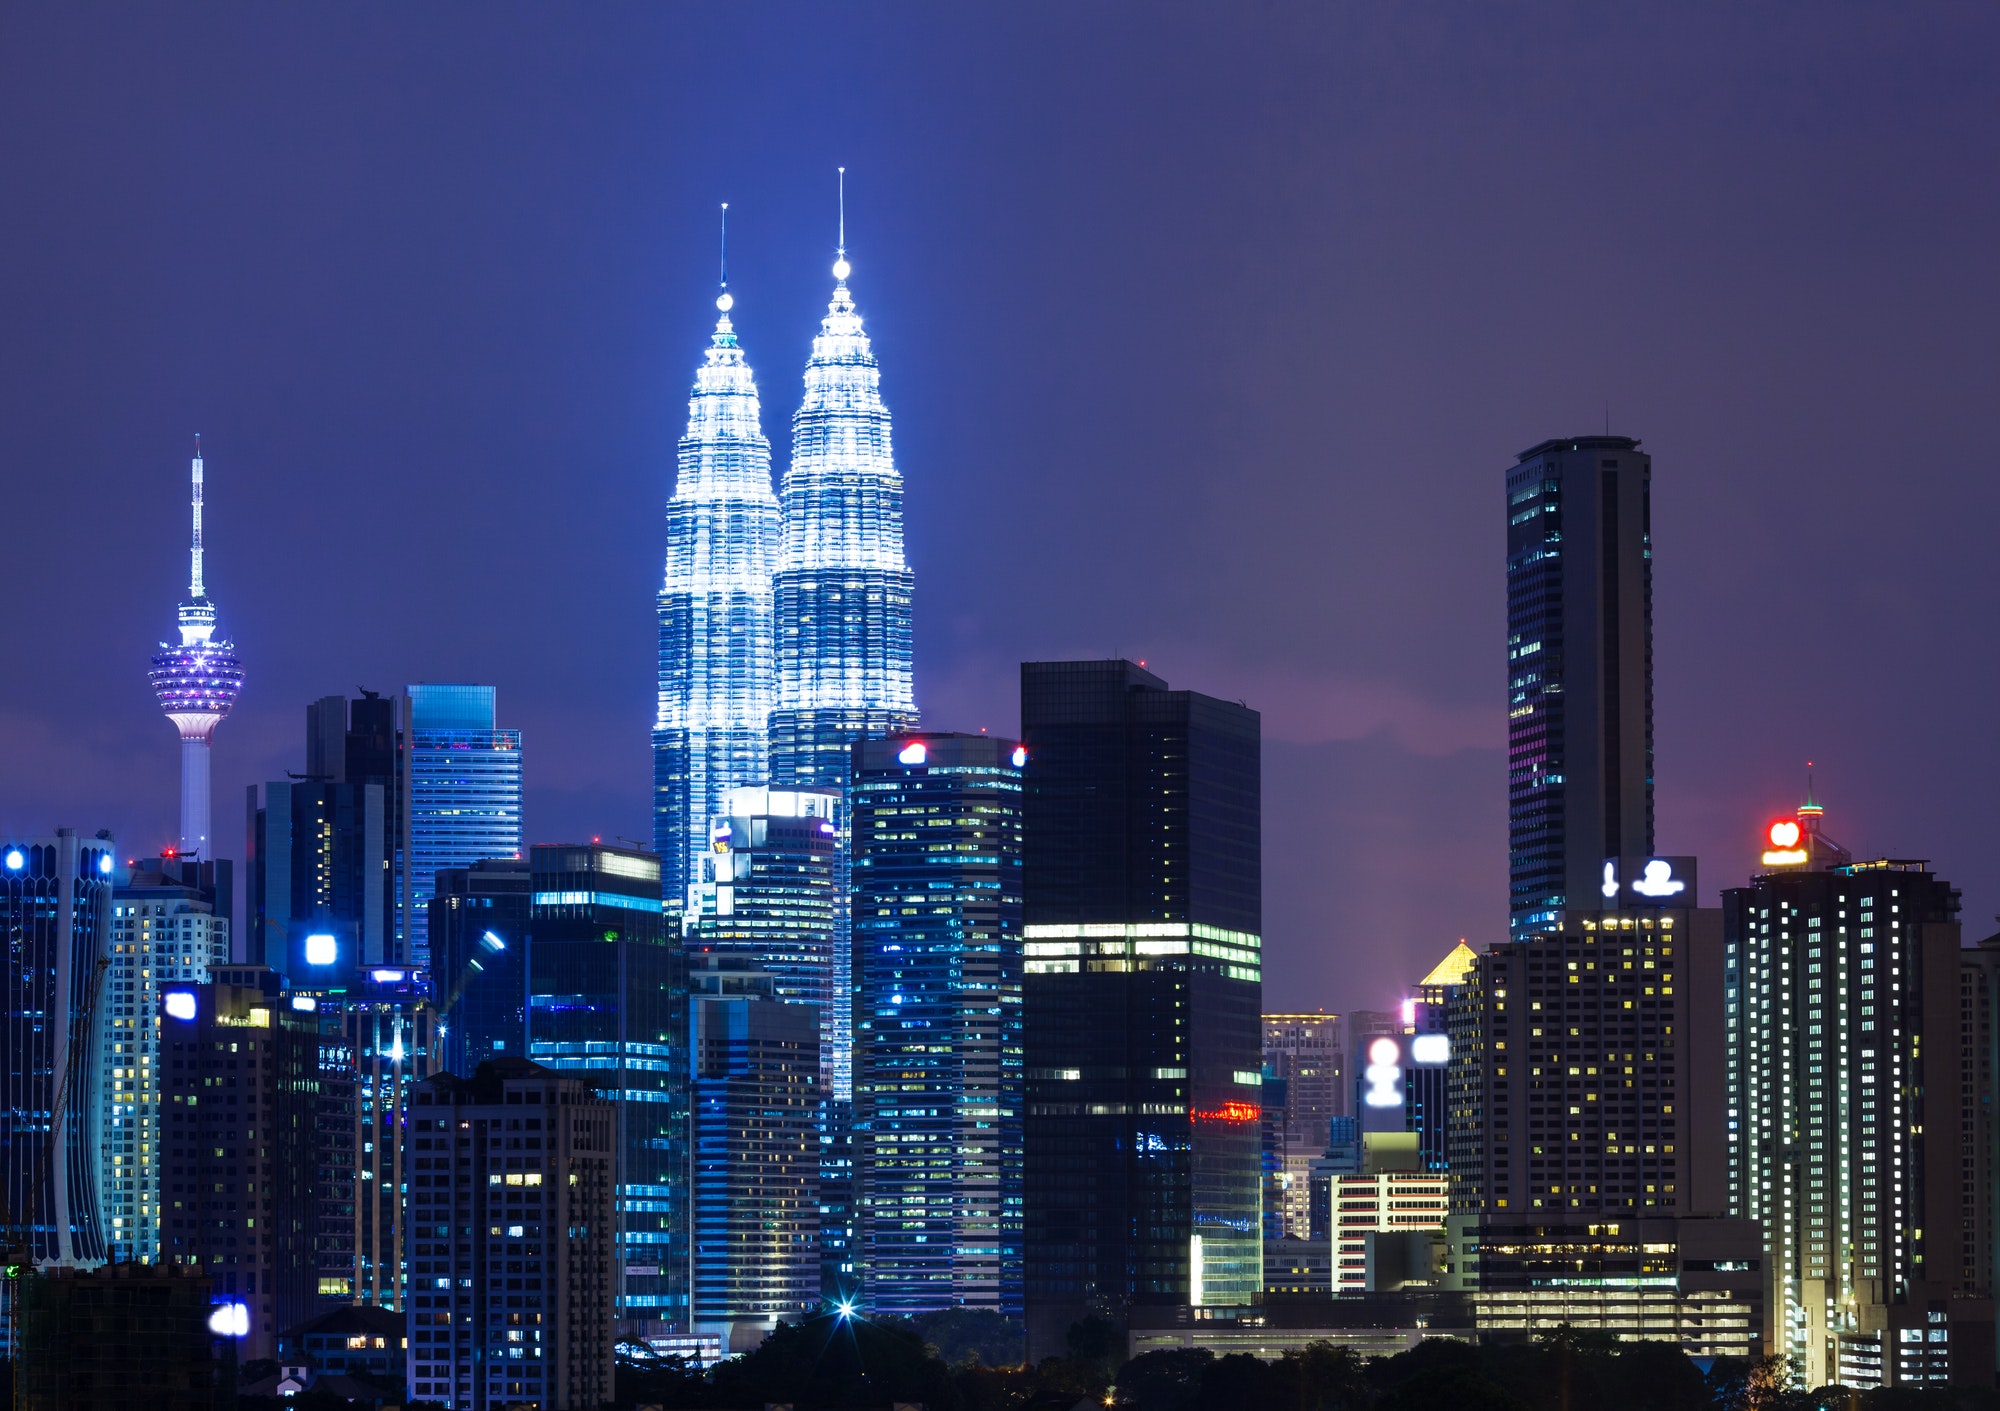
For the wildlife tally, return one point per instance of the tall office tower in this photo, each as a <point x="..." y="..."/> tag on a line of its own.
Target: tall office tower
<point x="479" y="960"/>
<point x="938" y="1077"/>
<point x="55" y="914"/>
<point x="1579" y="671"/>
<point x="756" y="1101"/>
<point x="763" y="894"/>
<point x="1586" y="1124"/>
<point x="607" y="1000"/>
<point x="1143" y="904"/>
<point x="718" y="673"/>
<point x="1367" y="1099"/>
<point x="1303" y="1056"/>
<point x="166" y="927"/>
<point x="1426" y="1054"/>
<point x="1846" y="1117"/>
<point x="512" y="1193"/>
<point x="240" y="1066"/>
<point x="336" y="1162"/>
<point x="390" y="1029"/>
<point x="325" y="852"/>
<point x="462" y="778"/>
<point x="843" y="588"/>
<point x="197" y="681"/>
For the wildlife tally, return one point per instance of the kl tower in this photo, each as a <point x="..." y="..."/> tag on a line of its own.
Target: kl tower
<point x="197" y="682"/>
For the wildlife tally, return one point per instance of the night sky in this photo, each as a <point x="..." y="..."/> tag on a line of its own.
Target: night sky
<point x="1210" y="333"/>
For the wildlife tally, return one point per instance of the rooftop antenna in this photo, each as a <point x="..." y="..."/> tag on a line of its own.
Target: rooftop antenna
<point x="194" y="552"/>
<point x="723" y="301"/>
<point x="840" y="266"/>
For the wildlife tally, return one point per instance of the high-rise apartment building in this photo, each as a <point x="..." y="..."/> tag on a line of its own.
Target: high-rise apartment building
<point x="479" y="959"/>
<point x="763" y="894"/>
<point x="390" y="1029"/>
<point x="756" y="1103"/>
<point x="718" y="673"/>
<point x="938" y="1069"/>
<point x="1304" y="1062"/>
<point x="512" y="1176"/>
<point x="1585" y="1119"/>
<point x="56" y="908"/>
<point x="1847" y="1116"/>
<point x="169" y="924"/>
<point x="240" y="1065"/>
<point x="197" y="680"/>
<point x="607" y="1001"/>
<point x="1141" y="1011"/>
<point x="462" y="778"/>
<point x="1579" y="671"/>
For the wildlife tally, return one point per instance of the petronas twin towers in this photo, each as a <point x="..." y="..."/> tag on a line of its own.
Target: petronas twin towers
<point x="784" y="619"/>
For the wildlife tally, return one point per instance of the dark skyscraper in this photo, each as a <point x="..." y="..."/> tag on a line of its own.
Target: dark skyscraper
<point x="1142" y="1005"/>
<point x="607" y="1002"/>
<point x="479" y="955"/>
<point x="937" y="1052"/>
<point x="1579" y="671"/>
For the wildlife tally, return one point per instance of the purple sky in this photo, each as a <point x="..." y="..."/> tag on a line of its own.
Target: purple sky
<point x="1209" y="334"/>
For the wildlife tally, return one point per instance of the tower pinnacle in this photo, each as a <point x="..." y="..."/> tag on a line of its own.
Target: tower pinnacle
<point x="197" y="681"/>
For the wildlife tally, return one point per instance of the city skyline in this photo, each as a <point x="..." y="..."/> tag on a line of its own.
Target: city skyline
<point x="1384" y="726"/>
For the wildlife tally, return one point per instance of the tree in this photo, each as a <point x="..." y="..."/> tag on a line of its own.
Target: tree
<point x="1169" y="1379"/>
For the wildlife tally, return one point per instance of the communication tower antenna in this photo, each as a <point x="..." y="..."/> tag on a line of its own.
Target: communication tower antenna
<point x="723" y="301"/>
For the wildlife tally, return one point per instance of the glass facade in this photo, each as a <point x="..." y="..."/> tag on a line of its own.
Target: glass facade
<point x="55" y="914"/>
<point x="717" y="673"/>
<point x="479" y="960"/>
<point x="607" y="1002"/>
<point x="756" y="1103"/>
<point x="464" y="792"/>
<point x="1143" y="987"/>
<point x="937" y="1105"/>
<point x="1579" y="671"/>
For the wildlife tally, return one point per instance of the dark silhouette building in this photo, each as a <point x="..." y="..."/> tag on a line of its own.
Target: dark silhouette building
<point x="1142" y="1029"/>
<point x="479" y="958"/>
<point x="1579" y="671"/>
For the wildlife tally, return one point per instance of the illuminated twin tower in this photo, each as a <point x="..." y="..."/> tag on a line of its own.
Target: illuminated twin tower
<point x="784" y="619"/>
<point x="197" y="681"/>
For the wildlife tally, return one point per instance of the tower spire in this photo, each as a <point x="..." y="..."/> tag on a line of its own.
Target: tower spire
<point x="195" y="589"/>
<point x="841" y="269"/>
<point x="723" y="301"/>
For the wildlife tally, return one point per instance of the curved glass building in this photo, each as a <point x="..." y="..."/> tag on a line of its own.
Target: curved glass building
<point x="716" y="664"/>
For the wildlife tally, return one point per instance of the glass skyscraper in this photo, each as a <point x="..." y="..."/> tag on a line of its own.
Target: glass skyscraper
<point x="1142" y="1006"/>
<point x="463" y="785"/>
<point x="1579" y="672"/>
<point x="479" y="959"/>
<point x="938" y="1078"/>
<point x="607" y="1001"/>
<point x="55" y="916"/>
<point x="717" y="673"/>
<point x="843" y="589"/>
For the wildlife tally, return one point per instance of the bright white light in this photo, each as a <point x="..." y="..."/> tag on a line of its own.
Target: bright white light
<point x="1610" y="887"/>
<point x="1409" y="1011"/>
<point x="396" y="1051"/>
<point x="841" y="269"/>
<point x="104" y="864"/>
<point x="1430" y="1048"/>
<point x="179" y="1004"/>
<point x="1020" y="757"/>
<point x="1785" y="833"/>
<point x="386" y="977"/>
<point x="913" y="753"/>
<point x="1659" y="880"/>
<point x="16" y="860"/>
<point x="725" y="303"/>
<point x="1383" y="1052"/>
<point x="494" y="941"/>
<point x="845" y="1308"/>
<point x="230" y="1320"/>
<point x="322" y="949"/>
<point x="305" y="1002"/>
<point x="1382" y="1086"/>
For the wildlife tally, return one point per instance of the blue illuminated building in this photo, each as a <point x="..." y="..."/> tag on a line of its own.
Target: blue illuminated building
<point x="716" y="671"/>
<point x="463" y="786"/>
<point x="1579" y="672"/>
<point x="55" y="916"/>
<point x="479" y="959"/>
<point x="607" y="1002"/>
<point x="938" y="1077"/>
